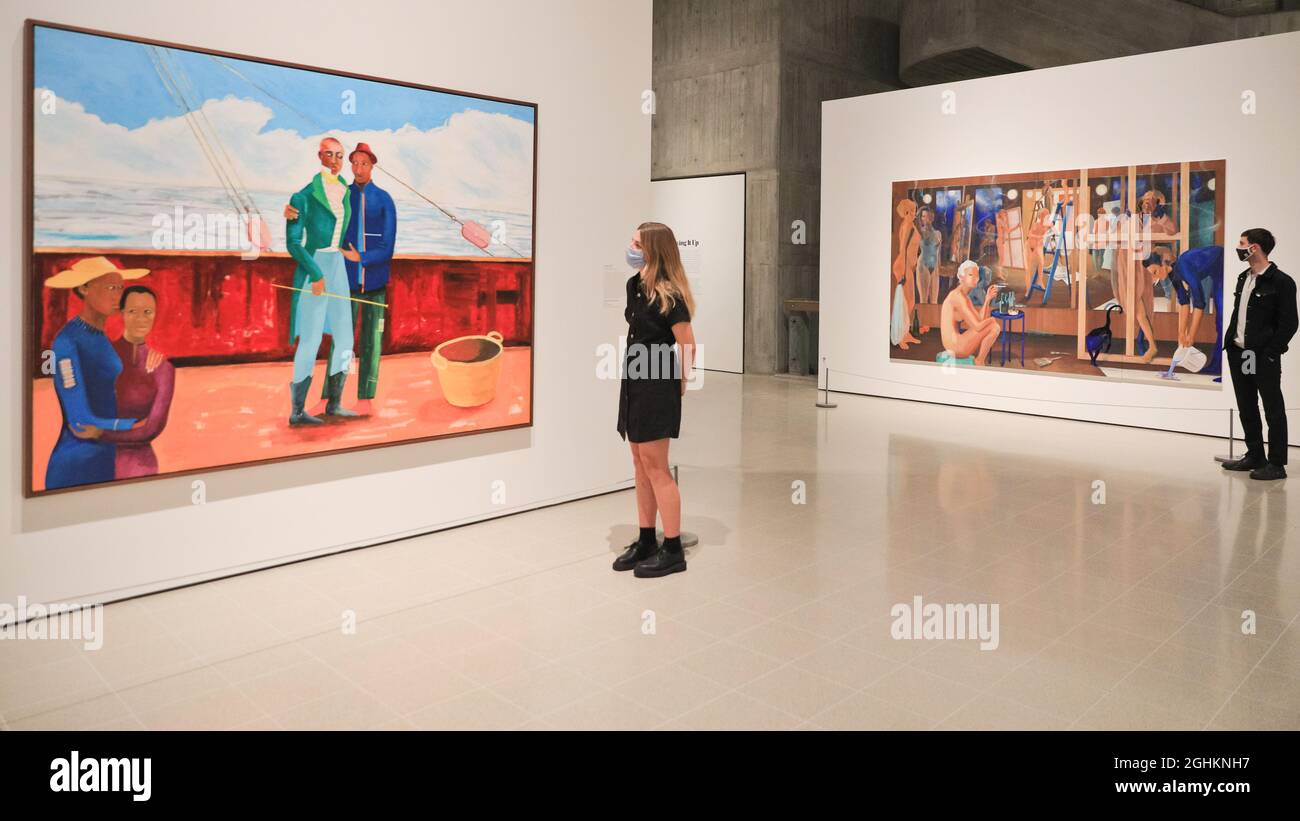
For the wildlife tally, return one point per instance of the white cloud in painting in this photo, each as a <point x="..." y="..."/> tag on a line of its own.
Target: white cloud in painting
<point x="476" y="160"/>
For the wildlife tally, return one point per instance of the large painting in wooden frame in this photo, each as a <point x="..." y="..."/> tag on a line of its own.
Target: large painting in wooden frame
<point x="1105" y="273"/>
<point x="232" y="260"/>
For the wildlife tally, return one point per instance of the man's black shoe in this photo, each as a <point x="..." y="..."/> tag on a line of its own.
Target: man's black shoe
<point x="1245" y="463"/>
<point x="1269" y="472"/>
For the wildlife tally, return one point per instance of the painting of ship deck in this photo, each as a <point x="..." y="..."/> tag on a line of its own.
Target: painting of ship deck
<point x="234" y="260"/>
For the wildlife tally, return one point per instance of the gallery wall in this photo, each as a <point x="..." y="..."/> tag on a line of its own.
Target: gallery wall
<point x="707" y="215"/>
<point x="592" y="189"/>
<point x="1232" y="100"/>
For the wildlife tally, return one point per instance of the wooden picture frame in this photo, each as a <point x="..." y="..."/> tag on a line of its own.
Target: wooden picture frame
<point x="457" y="269"/>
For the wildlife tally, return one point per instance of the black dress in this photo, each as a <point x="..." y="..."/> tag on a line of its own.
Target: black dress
<point x="650" y="399"/>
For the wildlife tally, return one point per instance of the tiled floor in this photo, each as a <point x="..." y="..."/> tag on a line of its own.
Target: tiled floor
<point x="1127" y="614"/>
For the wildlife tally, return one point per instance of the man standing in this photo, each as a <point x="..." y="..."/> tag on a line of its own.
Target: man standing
<point x="1263" y="322"/>
<point x="324" y="212"/>
<point x="373" y="232"/>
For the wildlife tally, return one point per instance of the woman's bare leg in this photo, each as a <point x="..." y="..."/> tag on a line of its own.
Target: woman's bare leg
<point x="991" y="333"/>
<point x="909" y="301"/>
<point x="1146" y="314"/>
<point x="654" y="461"/>
<point x="1145" y="324"/>
<point x="1032" y="264"/>
<point x="645" y="495"/>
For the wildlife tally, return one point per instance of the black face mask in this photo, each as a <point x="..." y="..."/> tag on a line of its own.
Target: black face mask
<point x="1243" y="254"/>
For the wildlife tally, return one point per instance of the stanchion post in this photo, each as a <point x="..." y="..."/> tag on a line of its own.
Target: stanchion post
<point x="688" y="539"/>
<point x="1232" y="440"/>
<point x="826" y="396"/>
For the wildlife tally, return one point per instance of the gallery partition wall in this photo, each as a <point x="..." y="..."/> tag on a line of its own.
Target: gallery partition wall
<point x="1015" y="246"/>
<point x="707" y="215"/>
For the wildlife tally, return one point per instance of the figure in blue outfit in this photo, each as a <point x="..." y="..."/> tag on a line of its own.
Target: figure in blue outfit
<point x="85" y="372"/>
<point x="1191" y="271"/>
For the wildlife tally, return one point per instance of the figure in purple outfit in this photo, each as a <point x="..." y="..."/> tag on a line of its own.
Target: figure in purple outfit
<point x="144" y="387"/>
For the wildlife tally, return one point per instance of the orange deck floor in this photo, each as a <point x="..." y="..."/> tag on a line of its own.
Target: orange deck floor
<point x="228" y="414"/>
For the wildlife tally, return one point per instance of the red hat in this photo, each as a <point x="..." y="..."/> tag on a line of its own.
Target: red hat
<point x="363" y="148"/>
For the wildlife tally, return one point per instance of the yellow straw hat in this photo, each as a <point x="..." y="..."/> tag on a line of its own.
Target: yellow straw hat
<point x="84" y="270"/>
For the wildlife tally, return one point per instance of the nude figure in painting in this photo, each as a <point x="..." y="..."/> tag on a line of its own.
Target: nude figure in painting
<point x="981" y="329"/>
<point x="927" y="264"/>
<point x="904" y="268"/>
<point x="1039" y="224"/>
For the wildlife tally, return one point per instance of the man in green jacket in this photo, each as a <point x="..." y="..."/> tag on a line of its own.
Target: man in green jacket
<point x="323" y="214"/>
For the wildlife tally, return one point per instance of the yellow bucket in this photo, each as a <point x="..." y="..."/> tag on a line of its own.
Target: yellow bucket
<point x="469" y="368"/>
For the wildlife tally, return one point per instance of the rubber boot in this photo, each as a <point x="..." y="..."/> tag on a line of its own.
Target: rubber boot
<point x="298" y="396"/>
<point x="334" y="388"/>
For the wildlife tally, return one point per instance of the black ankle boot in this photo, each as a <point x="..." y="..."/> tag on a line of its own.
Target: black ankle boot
<point x="298" y="400"/>
<point x="334" y="395"/>
<point x="670" y="558"/>
<point x="643" y="548"/>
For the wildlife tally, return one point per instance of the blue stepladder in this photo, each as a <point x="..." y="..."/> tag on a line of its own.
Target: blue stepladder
<point x="1061" y="251"/>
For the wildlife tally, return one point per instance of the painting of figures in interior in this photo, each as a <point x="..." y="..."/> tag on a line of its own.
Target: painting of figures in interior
<point x="234" y="260"/>
<point x="1106" y="273"/>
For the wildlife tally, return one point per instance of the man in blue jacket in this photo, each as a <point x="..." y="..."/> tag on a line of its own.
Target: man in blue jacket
<point x="372" y="231"/>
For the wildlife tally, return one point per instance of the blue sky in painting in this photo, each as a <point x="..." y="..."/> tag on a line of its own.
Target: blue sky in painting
<point x="116" y="81"/>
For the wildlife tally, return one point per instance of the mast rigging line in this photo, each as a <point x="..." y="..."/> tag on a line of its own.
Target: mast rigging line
<point x="384" y="171"/>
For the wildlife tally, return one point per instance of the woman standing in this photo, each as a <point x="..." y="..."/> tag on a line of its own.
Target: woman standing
<point x="85" y="370"/>
<point x="658" y="313"/>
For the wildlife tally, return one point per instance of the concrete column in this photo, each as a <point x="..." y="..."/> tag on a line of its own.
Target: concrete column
<point x="738" y="86"/>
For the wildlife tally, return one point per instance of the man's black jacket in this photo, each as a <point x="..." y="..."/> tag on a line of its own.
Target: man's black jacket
<point x="1271" y="320"/>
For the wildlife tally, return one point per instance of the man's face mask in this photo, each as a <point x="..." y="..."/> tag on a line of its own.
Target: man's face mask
<point x="1243" y="254"/>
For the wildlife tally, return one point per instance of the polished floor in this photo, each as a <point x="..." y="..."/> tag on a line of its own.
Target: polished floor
<point x="1137" y="585"/>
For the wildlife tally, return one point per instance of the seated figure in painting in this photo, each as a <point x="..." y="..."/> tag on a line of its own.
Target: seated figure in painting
<point x="981" y="330"/>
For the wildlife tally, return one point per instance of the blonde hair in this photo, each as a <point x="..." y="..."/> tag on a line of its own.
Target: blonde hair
<point x="665" y="278"/>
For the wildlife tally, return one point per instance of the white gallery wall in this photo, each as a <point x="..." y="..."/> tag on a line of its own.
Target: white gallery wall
<point x="586" y="63"/>
<point x="707" y="215"/>
<point x="1171" y="106"/>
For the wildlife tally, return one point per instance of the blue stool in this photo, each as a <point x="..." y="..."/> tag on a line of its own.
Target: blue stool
<point x="945" y="357"/>
<point x="1008" y="330"/>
